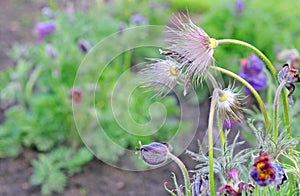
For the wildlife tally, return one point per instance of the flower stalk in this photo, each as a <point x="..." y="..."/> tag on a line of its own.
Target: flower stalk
<point x="254" y="92"/>
<point x="276" y="102"/>
<point x="184" y="173"/>
<point x="210" y="140"/>
<point x="272" y="69"/>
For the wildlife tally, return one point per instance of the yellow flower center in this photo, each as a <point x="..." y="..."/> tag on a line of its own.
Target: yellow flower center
<point x="213" y="43"/>
<point x="223" y="96"/>
<point x="173" y="71"/>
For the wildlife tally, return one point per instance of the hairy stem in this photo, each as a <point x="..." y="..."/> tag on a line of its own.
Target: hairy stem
<point x="210" y="140"/>
<point x="222" y="136"/>
<point x="276" y="102"/>
<point x="272" y="69"/>
<point x="253" y="91"/>
<point x="184" y="173"/>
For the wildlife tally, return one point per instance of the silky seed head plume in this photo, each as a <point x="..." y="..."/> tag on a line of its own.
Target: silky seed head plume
<point x="193" y="44"/>
<point x="161" y="76"/>
<point x="228" y="105"/>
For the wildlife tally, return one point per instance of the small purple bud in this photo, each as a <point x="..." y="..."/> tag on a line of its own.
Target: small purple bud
<point x="43" y="29"/>
<point x="51" y="51"/>
<point x="155" y="153"/>
<point x="76" y="95"/>
<point x="138" y="19"/>
<point x="122" y="27"/>
<point x="239" y="6"/>
<point x="46" y="11"/>
<point x="84" y="45"/>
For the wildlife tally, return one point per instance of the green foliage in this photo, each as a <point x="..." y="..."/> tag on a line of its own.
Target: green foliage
<point x="38" y="88"/>
<point x="51" y="169"/>
<point x="273" y="27"/>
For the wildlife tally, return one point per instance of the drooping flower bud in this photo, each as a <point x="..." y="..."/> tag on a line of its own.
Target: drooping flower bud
<point x="155" y="153"/>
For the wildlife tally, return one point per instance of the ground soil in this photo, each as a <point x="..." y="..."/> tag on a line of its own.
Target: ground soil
<point x="96" y="178"/>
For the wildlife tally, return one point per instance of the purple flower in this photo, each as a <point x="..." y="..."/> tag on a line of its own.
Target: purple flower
<point x="155" y="153"/>
<point x="138" y="19"/>
<point x="239" y="6"/>
<point x="84" y="45"/>
<point x="43" y="29"/>
<point x="291" y="56"/>
<point x="51" y="51"/>
<point x="265" y="172"/>
<point x="290" y="76"/>
<point x="235" y="187"/>
<point x="200" y="185"/>
<point x="251" y="69"/>
<point x="76" y="95"/>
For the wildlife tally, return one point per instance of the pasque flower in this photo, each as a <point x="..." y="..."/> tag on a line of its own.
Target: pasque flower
<point x="76" y="95"/>
<point x="84" y="45"/>
<point x="229" y="105"/>
<point x="235" y="187"/>
<point x="155" y="153"/>
<point x="43" y="29"/>
<point x="200" y="185"/>
<point x="265" y="172"/>
<point x="290" y="76"/>
<point x="161" y="75"/>
<point x="239" y="6"/>
<point x="193" y="46"/>
<point x="291" y="56"/>
<point x="251" y="69"/>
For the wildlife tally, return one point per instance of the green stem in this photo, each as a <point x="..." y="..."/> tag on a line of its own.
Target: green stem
<point x="254" y="92"/>
<point x="221" y="131"/>
<point x="276" y="102"/>
<point x="184" y="173"/>
<point x="257" y="51"/>
<point x="271" y="67"/>
<point x="210" y="141"/>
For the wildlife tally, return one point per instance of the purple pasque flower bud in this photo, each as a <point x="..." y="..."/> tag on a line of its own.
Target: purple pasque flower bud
<point x="84" y="45"/>
<point x="138" y="19"/>
<point x="76" y="95"/>
<point x="51" y="51"/>
<point x="155" y="153"/>
<point x="251" y="69"/>
<point x="239" y="6"/>
<point x="43" y="29"/>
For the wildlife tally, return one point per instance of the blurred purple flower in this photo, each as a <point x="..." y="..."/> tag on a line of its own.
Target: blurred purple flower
<point x="122" y="27"/>
<point x="76" y="95"/>
<point x="138" y="19"/>
<point x="291" y="56"/>
<point x="229" y="124"/>
<point x="46" y="11"/>
<point x="251" y="69"/>
<point x="239" y="6"/>
<point x="84" y="45"/>
<point x="51" y="51"/>
<point x="43" y="29"/>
